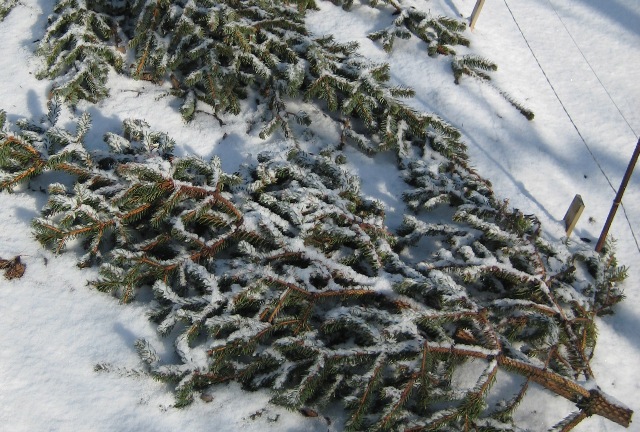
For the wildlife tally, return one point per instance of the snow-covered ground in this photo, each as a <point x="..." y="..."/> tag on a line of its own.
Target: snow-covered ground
<point x="575" y="63"/>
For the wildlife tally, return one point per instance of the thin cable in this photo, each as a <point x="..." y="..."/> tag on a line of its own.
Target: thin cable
<point x="566" y="29"/>
<point x="626" y="216"/>
<point x="592" y="70"/>
<point x="571" y="119"/>
<point x="558" y="97"/>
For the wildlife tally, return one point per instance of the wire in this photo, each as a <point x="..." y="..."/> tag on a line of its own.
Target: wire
<point x="569" y="115"/>
<point x="592" y="70"/>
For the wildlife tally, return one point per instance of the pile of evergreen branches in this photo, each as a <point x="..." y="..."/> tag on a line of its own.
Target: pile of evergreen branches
<point x="284" y="276"/>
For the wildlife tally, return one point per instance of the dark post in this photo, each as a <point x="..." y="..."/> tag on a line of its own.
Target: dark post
<point x="618" y="199"/>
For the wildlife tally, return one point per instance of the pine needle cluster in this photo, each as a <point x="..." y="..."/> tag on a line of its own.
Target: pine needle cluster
<point x="284" y="276"/>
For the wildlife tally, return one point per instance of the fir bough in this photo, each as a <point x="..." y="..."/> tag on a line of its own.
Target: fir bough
<point x="79" y="47"/>
<point x="40" y="147"/>
<point x="285" y="277"/>
<point x="6" y="7"/>
<point x="479" y="68"/>
<point x="441" y="34"/>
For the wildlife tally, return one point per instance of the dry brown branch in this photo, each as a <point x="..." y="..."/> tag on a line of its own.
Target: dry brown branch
<point x="592" y="401"/>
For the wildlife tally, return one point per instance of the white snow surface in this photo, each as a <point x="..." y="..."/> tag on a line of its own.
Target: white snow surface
<point x="585" y="53"/>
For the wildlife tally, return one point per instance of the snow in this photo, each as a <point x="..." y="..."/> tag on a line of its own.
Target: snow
<point x="573" y="62"/>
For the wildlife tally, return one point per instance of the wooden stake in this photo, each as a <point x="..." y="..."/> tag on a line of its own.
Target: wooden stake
<point x="476" y="12"/>
<point x="573" y="214"/>
<point x="618" y="199"/>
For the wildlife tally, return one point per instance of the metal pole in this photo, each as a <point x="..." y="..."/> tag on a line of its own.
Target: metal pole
<point x="618" y="199"/>
<point x="476" y="13"/>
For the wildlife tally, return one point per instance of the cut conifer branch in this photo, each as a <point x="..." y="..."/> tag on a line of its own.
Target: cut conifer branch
<point x="284" y="276"/>
<point x="590" y="401"/>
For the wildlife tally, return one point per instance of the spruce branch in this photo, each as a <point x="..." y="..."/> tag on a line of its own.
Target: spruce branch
<point x="478" y="68"/>
<point x="441" y="34"/>
<point x="38" y="149"/>
<point x="78" y="50"/>
<point x="7" y="7"/>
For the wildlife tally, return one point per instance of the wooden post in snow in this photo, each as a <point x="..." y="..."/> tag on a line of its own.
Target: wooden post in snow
<point x="476" y="12"/>
<point x="618" y="199"/>
<point x="573" y="214"/>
